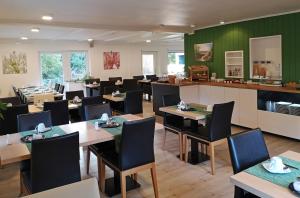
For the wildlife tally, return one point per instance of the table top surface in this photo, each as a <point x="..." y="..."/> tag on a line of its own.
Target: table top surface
<point x="261" y="187"/>
<point x="113" y="98"/>
<point x="36" y="108"/>
<point x="17" y="151"/>
<point x="194" y="115"/>
<point x="144" y="81"/>
<point x="85" y="188"/>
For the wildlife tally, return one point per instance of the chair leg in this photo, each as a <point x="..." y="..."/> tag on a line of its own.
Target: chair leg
<point x="102" y="175"/>
<point x="154" y="180"/>
<point x="21" y="185"/>
<point x="123" y="185"/>
<point x="164" y="139"/>
<point x="187" y="145"/>
<point x="135" y="176"/>
<point x="212" y="157"/>
<point x="180" y="146"/>
<point x="88" y="155"/>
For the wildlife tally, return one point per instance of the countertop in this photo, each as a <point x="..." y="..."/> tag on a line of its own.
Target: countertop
<point x="237" y="85"/>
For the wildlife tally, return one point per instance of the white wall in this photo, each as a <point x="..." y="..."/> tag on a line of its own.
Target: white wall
<point x="130" y="60"/>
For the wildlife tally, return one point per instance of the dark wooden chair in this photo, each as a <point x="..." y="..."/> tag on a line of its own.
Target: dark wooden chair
<point x="215" y="131"/>
<point x="54" y="163"/>
<point x="136" y="153"/>
<point x="246" y="149"/>
<point x="59" y="112"/>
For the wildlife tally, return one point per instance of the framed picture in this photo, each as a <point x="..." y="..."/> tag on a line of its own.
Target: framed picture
<point x="14" y="63"/>
<point x="203" y="52"/>
<point x="111" y="60"/>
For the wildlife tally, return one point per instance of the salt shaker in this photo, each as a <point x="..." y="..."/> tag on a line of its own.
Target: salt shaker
<point x="96" y="125"/>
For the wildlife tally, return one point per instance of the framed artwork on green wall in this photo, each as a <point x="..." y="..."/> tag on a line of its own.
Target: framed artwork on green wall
<point x="203" y="52"/>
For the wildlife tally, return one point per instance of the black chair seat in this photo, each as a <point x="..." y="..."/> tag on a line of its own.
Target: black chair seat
<point x="112" y="157"/>
<point x="202" y="133"/>
<point x="178" y="126"/>
<point x="99" y="148"/>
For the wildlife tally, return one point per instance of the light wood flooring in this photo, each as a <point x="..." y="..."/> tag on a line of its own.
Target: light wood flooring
<point x="175" y="178"/>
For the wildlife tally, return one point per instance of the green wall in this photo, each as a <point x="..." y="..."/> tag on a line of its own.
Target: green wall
<point x="236" y="37"/>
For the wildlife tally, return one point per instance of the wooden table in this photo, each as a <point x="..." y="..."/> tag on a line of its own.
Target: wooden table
<point x="88" y="135"/>
<point x="114" y="98"/>
<point x="144" y="81"/>
<point x="35" y="108"/>
<point x="195" y="156"/>
<point x="261" y="187"/>
<point x="85" y="188"/>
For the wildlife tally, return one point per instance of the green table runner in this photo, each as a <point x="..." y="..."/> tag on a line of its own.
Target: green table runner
<point x="280" y="179"/>
<point x="116" y="132"/>
<point x="48" y="134"/>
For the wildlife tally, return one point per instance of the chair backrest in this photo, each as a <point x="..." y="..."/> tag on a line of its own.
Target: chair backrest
<point x="59" y="111"/>
<point x="109" y="89"/>
<point x="130" y="84"/>
<point x="115" y="79"/>
<point x="11" y="100"/>
<point x="133" y="103"/>
<point x="96" y="92"/>
<point x="152" y="77"/>
<point x="136" y="146"/>
<point x="61" y="89"/>
<point x="91" y="81"/>
<point x="247" y="149"/>
<point x="70" y="95"/>
<point x="41" y="98"/>
<point x="95" y="111"/>
<point x="140" y="77"/>
<point x="55" y="162"/>
<point x="10" y="122"/>
<point x="104" y="84"/>
<point x="29" y="121"/>
<point x="170" y="100"/>
<point x="56" y="86"/>
<point x="89" y="101"/>
<point x="16" y="91"/>
<point x="219" y="124"/>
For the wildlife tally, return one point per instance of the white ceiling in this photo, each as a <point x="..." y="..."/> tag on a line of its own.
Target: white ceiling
<point x="120" y="19"/>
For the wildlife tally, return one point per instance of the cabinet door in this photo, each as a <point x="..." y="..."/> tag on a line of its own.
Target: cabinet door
<point x="204" y="94"/>
<point x="248" y="108"/>
<point x="232" y="94"/>
<point x="189" y="94"/>
<point x="216" y="95"/>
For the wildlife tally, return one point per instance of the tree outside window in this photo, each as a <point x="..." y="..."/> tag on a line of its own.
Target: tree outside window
<point x="79" y="68"/>
<point x="52" y="68"/>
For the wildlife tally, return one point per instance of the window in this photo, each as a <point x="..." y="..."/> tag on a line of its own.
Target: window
<point x="51" y="68"/>
<point x="176" y="63"/>
<point x="78" y="62"/>
<point x="148" y="62"/>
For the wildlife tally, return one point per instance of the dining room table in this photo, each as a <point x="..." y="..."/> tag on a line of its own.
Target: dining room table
<point x="195" y="113"/>
<point x="29" y="92"/>
<point x="115" y="98"/>
<point x="258" y="181"/>
<point x="14" y="150"/>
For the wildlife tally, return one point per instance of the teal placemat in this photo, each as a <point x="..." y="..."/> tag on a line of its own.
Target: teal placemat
<point x="116" y="132"/>
<point x="280" y="179"/>
<point x="48" y="134"/>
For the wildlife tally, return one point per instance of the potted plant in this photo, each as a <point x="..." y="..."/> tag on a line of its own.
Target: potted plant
<point x="2" y="108"/>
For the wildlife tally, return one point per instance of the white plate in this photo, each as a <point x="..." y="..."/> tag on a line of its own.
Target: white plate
<point x="283" y="171"/>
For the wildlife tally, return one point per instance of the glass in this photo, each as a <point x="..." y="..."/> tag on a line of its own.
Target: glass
<point x="79" y="67"/>
<point x="176" y="63"/>
<point x="148" y="64"/>
<point x="51" y="68"/>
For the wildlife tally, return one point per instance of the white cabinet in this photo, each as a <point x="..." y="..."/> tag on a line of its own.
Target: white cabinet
<point x="234" y="64"/>
<point x="248" y="108"/>
<point x="204" y="93"/>
<point x="232" y="94"/>
<point x="189" y="94"/>
<point x="278" y="123"/>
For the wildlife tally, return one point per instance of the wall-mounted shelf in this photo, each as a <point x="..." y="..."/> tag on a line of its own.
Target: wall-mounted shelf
<point x="234" y="64"/>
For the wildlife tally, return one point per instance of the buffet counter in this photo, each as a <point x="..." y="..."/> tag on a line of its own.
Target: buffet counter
<point x="251" y="103"/>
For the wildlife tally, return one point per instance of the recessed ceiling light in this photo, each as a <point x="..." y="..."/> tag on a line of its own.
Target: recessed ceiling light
<point x="47" y="18"/>
<point x="148" y="41"/>
<point x="24" y="38"/>
<point x="192" y="25"/>
<point x="35" y="29"/>
<point x="90" y="40"/>
<point x="222" y="22"/>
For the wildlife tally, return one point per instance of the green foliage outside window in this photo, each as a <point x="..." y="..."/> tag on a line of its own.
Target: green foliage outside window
<point x="78" y="65"/>
<point x="52" y="67"/>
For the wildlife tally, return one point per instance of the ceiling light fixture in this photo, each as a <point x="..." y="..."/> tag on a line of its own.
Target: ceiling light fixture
<point x="148" y="41"/>
<point x="47" y="18"/>
<point x="90" y="40"/>
<point x="24" y="38"/>
<point x="35" y="29"/>
<point x="222" y="22"/>
<point x="192" y="25"/>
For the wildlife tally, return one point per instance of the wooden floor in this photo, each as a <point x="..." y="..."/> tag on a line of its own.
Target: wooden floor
<point x="175" y="178"/>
